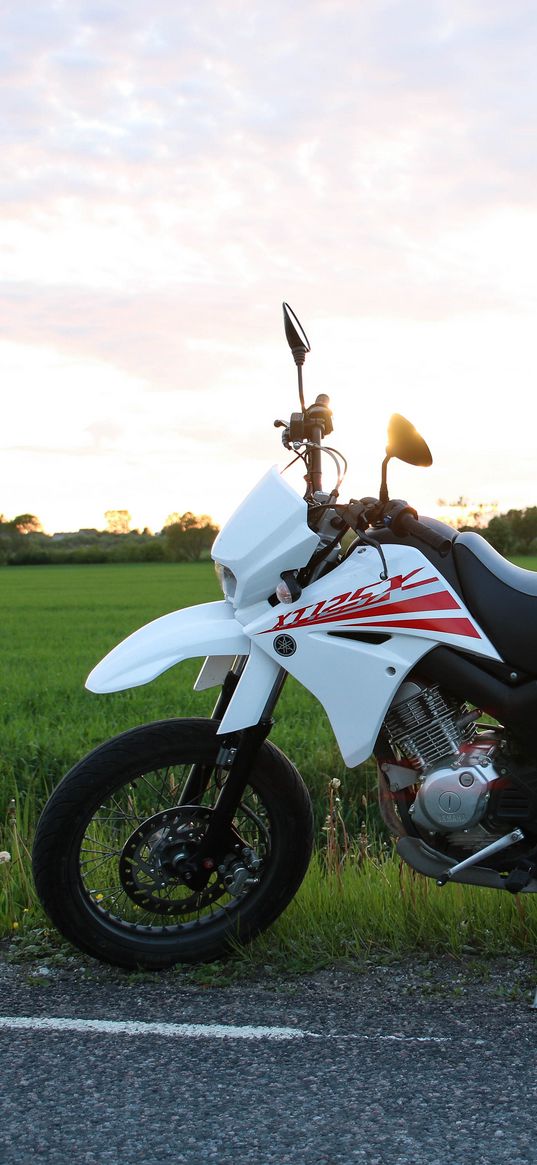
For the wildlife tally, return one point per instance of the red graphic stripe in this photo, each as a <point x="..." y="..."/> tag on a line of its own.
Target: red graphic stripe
<point x="351" y="612"/>
<point x="437" y="601"/>
<point x="448" y="626"/>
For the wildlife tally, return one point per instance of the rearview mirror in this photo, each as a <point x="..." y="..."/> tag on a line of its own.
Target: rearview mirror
<point x="298" y="343"/>
<point x="405" y="443"/>
<point x="296" y="336"/>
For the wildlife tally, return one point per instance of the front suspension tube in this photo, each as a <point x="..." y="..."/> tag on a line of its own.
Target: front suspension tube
<point x="200" y="775"/>
<point x="237" y="754"/>
<point x="241" y="753"/>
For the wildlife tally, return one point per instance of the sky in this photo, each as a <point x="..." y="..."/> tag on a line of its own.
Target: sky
<point x="171" y="171"/>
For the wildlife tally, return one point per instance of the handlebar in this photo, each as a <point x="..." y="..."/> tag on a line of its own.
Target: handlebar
<point x="411" y="525"/>
<point x="397" y="516"/>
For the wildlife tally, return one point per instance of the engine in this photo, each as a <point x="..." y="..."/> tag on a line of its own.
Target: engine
<point x="437" y="739"/>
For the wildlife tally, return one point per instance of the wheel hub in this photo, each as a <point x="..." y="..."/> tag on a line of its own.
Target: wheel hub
<point x="153" y="866"/>
<point x="158" y="861"/>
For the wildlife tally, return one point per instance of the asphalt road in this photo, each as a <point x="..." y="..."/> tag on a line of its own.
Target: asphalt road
<point x="401" y="1064"/>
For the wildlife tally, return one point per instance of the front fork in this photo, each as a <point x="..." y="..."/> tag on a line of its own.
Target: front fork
<point x="236" y="755"/>
<point x="200" y="775"/>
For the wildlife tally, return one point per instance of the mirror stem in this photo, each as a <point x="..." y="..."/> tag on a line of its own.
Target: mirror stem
<point x="383" y="495"/>
<point x="300" y="388"/>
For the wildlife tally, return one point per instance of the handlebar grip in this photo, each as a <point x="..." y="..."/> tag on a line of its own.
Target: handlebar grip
<point x="409" y="525"/>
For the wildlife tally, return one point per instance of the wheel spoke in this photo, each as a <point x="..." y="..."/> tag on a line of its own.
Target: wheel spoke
<point x="120" y="863"/>
<point x="129" y="836"/>
<point x="95" y="863"/>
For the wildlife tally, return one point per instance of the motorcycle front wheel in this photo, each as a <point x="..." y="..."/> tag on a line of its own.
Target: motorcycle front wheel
<point x="102" y="852"/>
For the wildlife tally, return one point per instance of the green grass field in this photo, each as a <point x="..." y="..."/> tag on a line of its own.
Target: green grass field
<point x="57" y="622"/>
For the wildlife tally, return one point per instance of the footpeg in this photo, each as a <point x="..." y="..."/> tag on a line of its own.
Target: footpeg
<point x="519" y="878"/>
<point x="476" y="859"/>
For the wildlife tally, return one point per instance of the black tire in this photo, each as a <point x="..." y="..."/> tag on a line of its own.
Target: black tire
<point x="98" y="833"/>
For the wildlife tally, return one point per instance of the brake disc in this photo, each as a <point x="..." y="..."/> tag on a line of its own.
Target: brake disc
<point x="145" y="868"/>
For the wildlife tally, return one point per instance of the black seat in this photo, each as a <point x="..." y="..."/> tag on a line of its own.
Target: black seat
<point x="501" y="597"/>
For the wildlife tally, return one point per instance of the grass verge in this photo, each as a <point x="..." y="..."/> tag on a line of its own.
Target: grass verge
<point x="370" y="906"/>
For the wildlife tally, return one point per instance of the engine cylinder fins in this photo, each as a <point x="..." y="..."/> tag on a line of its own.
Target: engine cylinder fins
<point x="427" y="726"/>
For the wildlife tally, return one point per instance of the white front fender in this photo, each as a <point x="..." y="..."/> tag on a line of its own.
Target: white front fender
<point x="208" y="629"/>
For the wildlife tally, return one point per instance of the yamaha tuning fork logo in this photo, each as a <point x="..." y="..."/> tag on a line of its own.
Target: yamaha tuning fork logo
<point x="284" y="645"/>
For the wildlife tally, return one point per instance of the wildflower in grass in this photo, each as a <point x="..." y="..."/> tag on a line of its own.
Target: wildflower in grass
<point x="363" y="844"/>
<point x="5" y="856"/>
<point x="337" y="842"/>
<point x="14" y="926"/>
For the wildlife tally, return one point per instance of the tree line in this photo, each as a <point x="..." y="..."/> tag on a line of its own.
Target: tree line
<point x="185" y="537"/>
<point x="188" y="537"/>
<point x="513" y="533"/>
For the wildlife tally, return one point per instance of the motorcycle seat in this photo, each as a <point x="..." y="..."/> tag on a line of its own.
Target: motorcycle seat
<point x="502" y="598"/>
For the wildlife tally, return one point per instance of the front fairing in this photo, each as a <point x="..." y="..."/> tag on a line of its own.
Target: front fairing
<point x="266" y="535"/>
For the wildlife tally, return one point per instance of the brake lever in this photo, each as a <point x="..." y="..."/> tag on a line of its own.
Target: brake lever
<point x="369" y="541"/>
<point x="358" y="515"/>
<point x="286" y="436"/>
<point x="353" y="513"/>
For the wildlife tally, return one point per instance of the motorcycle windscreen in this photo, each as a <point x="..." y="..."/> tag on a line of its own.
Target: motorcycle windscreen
<point x="268" y="533"/>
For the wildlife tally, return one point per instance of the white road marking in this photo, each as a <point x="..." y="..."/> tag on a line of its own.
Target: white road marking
<point x="399" y="1038"/>
<point x="196" y="1031"/>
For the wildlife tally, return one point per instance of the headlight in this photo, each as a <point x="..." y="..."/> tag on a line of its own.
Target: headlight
<point x="227" y="579"/>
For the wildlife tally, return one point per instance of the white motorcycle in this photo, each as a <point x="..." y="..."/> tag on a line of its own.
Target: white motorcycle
<point x="177" y="838"/>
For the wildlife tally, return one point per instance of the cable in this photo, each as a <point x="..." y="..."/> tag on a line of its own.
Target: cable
<point x="299" y="457"/>
<point x="334" y="454"/>
<point x="338" y="453"/>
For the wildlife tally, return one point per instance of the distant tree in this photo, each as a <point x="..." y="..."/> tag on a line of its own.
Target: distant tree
<point x="526" y="528"/>
<point x="14" y="533"/>
<point x="188" y="536"/>
<point x="6" y="539"/>
<point x="514" y="532"/>
<point x="153" y="550"/>
<point x="118" y="521"/>
<point x="27" y="524"/>
<point x="500" y="535"/>
<point x="172" y="520"/>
